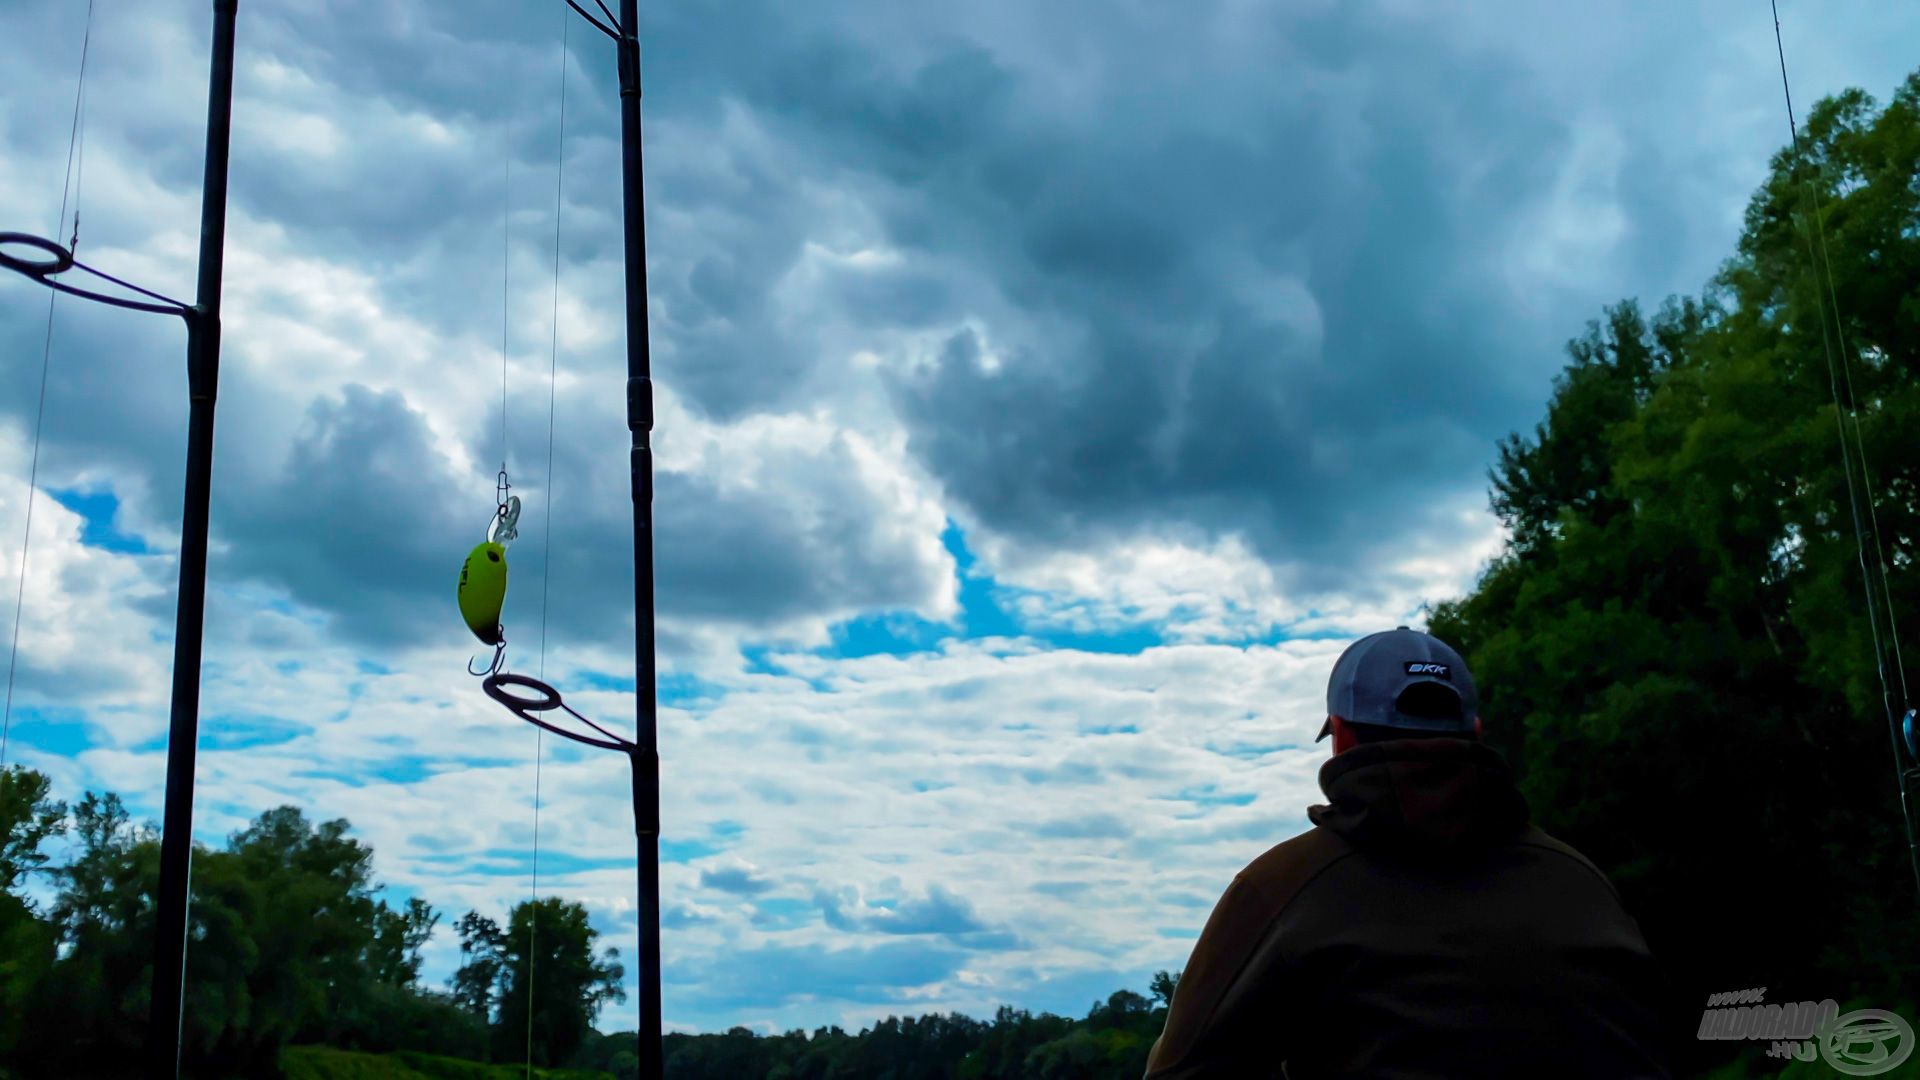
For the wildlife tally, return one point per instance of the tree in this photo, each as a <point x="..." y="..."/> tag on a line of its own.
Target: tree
<point x="91" y="1004"/>
<point x="398" y="936"/>
<point x="286" y="943"/>
<point x="476" y="984"/>
<point x="1675" y="645"/>
<point x="28" y="819"/>
<point x="548" y="966"/>
<point x="1566" y="466"/>
<point x="1163" y="986"/>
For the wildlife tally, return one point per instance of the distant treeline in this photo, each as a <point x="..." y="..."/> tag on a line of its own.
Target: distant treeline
<point x="1110" y="1043"/>
<point x="289" y="943"/>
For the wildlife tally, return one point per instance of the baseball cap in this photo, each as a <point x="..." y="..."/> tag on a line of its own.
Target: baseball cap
<point x="1370" y="677"/>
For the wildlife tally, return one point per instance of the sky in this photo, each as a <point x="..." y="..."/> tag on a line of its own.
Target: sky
<point x="1045" y="395"/>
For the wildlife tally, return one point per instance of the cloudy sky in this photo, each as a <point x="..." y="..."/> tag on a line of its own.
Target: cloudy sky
<point x="1046" y="393"/>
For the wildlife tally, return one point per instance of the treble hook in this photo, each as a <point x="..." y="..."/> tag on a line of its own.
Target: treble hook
<point x="499" y="654"/>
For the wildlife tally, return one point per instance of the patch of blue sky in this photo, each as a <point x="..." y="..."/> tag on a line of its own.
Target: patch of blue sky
<point x="240" y="731"/>
<point x="1211" y="795"/>
<point x="61" y="732"/>
<point x="507" y="862"/>
<point x="887" y="634"/>
<point x="155" y="745"/>
<point x="674" y="689"/>
<point x="1250" y="750"/>
<point x="97" y="510"/>
<point x="988" y="610"/>
<point x="521" y="861"/>
<point x="683" y="690"/>
<point x="903" y="633"/>
<point x="763" y="659"/>
<point x="1125" y="640"/>
<point x="759" y="660"/>
<point x="405" y="770"/>
<point x="685" y="851"/>
<point x="784" y="913"/>
<point x="980" y="610"/>
<point x="609" y="683"/>
<point x="719" y="836"/>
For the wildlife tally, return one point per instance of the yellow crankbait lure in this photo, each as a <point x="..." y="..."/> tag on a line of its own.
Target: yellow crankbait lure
<point x="483" y="590"/>
<point x="483" y="577"/>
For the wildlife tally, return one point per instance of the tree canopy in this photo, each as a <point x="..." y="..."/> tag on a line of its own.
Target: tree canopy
<point x="1674" y="648"/>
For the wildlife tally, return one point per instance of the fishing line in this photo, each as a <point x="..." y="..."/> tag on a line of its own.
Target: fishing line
<point x="546" y="545"/>
<point x="69" y="185"/>
<point x="1841" y="413"/>
<point x="506" y="224"/>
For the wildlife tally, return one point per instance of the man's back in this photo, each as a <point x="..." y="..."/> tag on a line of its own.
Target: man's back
<point x="1421" y="929"/>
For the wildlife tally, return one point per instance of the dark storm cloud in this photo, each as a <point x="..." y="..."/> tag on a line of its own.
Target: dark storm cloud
<point x="361" y="523"/>
<point x="1153" y="378"/>
<point x="351" y="510"/>
<point x="1234" y="270"/>
<point x="1180" y="398"/>
<point x="805" y="538"/>
<point x="367" y="521"/>
<point x="1157" y="382"/>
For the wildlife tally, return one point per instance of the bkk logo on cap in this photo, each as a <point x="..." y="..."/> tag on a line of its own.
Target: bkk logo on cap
<point x="1415" y="667"/>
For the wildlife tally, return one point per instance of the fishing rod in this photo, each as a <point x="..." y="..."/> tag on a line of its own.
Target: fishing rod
<point x="202" y="320"/>
<point x="483" y="578"/>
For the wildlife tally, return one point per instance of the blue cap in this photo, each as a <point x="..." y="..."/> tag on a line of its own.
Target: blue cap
<point x="1370" y="677"/>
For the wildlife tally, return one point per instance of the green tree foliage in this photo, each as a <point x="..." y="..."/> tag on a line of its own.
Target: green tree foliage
<point x="1111" y="1043"/>
<point x="92" y="1005"/>
<point x="29" y="817"/>
<point x="546" y="958"/>
<point x="476" y="984"/>
<point x="287" y="943"/>
<point x="393" y="956"/>
<point x="1674" y="649"/>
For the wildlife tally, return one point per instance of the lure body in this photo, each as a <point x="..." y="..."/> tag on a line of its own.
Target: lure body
<point x="483" y="590"/>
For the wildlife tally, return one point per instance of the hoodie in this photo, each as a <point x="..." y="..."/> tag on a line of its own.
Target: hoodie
<point x="1422" y="928"/>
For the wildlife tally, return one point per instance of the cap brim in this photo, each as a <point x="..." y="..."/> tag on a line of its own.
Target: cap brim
<point x="1326" y="729"/>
